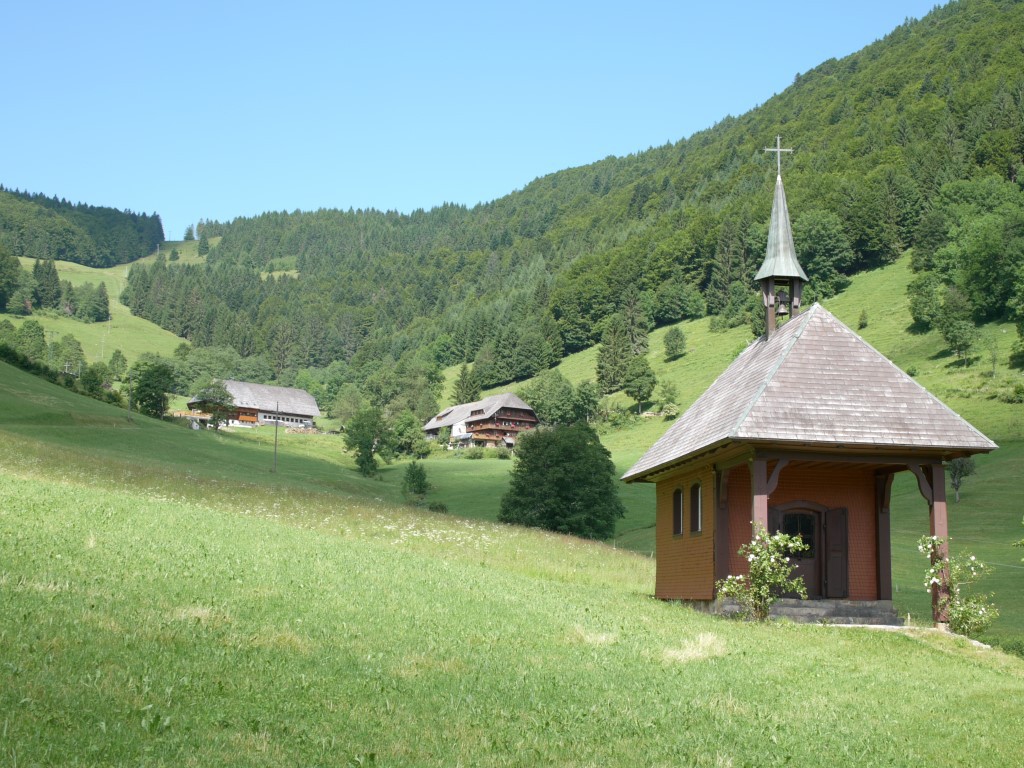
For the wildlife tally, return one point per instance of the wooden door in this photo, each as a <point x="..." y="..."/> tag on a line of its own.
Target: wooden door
<point x="806" y="523"/>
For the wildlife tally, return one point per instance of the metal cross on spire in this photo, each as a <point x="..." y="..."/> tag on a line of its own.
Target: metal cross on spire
<point x="778" y="150"/>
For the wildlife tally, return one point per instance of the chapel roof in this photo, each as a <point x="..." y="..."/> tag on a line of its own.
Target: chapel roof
<point x="488" y="407"/>
<point x="813" y="383"/>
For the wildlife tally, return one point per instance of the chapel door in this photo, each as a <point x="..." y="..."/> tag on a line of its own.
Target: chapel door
<point x="824" y="564"/>
<point x="806" y="524"/>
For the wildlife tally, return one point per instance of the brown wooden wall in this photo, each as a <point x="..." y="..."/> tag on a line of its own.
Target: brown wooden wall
<point x="685" y="562"/>
<point x="846" y="486"/>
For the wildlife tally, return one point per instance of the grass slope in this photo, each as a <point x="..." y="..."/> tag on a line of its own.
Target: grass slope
<point x="132" y="335"/>
<point x="987" y="521"/>
<point x="168" y="601"/>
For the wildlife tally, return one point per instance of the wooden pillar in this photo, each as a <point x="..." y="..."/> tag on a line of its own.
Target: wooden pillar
<point x="759" y="493"/>
<point x="883" y="492"/>
<point x="722" y="548"/>
<point x="768" y="300"/>
<point x="939" y="526"/>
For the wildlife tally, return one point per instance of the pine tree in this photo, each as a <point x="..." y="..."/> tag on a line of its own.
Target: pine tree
<point x="47" y="290"/>
<point x="614" y="355"/>
<point x="10" y="276"/>
<point x="467" y="388"/>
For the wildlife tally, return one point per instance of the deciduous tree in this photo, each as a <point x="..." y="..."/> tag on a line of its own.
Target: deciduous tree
<point x="563" y="480"/>
<point x="675" y="343"/>
<point x="640" y="381"/>
<point x="152" y="380"/>
<point x="369" y="436"/>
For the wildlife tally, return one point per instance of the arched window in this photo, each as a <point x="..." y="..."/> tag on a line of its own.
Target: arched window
<point x="677" y="512"/>
<point x="696" y="523"/>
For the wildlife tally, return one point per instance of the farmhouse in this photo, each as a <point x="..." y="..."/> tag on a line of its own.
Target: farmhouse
<point x="257" y="404"/>
<point x="494" y="421"/>
<point x="802" y="433"/>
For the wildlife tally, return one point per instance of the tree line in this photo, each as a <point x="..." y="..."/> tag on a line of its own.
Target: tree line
<point x="23" y="292"/>
<point x="35" y="226"/>
<point x="883" y="138"/>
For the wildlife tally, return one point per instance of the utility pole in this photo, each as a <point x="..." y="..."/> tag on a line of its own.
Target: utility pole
<point x="277" y="423"/>
<point x="129" y="395"/>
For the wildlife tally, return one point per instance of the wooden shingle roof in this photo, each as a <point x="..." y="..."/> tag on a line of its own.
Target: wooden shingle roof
<point x="813" y="383"/>
<point x="464" y="411"/>
<point x="268" y="398"/>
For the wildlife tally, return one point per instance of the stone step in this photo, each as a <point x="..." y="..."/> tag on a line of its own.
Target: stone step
<point x="877" y="612"/>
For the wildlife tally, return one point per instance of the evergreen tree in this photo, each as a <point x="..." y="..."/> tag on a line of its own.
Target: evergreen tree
<point x="414" y="481"/>
<point x="47" y="284"/>
<point x="204" y="245"/>
<point x="94" y="306"/>
<point x="563" y="480"/>
<point x="614" y="355"/>
<point x="69" y="297"/>
<point x="10" y="276"/>
<point x="634" y="310"/>
<point x="190" y="233"/>
<point x="467" y="388"/>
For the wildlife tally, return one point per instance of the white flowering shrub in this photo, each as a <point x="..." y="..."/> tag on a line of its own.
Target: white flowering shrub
<point x="770" y="576"/>
<point x="969" y="614"/>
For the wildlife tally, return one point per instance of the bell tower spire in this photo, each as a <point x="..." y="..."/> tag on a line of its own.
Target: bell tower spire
<point x="781" y="268"/>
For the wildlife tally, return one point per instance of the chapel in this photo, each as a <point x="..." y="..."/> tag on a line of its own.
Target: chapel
<point x="803" y="434"/>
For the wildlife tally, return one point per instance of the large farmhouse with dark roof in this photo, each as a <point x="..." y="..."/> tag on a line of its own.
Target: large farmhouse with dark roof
<point x="256" y="404"/>
<point x="802" y="433"/>
<point x="494" y="421"/>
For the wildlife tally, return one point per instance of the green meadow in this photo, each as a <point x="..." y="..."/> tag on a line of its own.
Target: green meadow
<point x="132" y="335"/>
<point x="169" y="600"/>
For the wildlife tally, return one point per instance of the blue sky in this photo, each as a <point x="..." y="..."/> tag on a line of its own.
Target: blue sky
<point x="215" y="110"/>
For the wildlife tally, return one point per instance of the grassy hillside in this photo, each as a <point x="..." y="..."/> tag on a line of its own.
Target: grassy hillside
<point x="132" y="335"/>
<point x="988" y="519"/>
<point x="169" y="601"/>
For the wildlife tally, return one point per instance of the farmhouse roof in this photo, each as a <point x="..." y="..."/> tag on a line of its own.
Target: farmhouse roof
<point x="464" y="411"/>
<point x="264" y="397"/>
<point x="814" y="383"/>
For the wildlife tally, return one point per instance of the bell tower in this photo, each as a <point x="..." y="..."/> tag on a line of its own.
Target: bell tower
<point x="781" y="276"/>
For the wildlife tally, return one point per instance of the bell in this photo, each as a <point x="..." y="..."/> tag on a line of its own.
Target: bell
<point x="782" y="301"/>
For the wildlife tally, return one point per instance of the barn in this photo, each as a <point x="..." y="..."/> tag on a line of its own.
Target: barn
<point x="257" y="404"/>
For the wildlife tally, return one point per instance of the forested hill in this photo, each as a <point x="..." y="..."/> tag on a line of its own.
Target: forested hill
<point x="40" y="227"/>
<point x="915" y="141"/>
